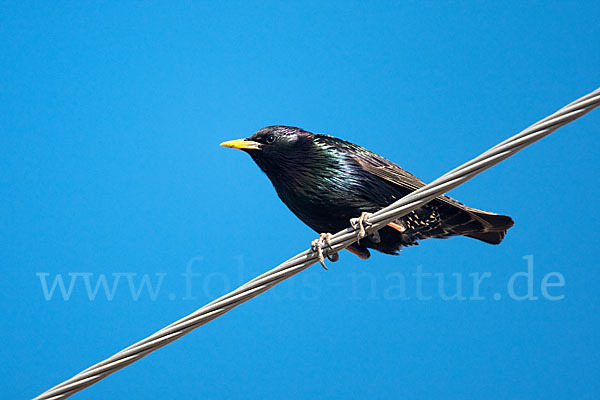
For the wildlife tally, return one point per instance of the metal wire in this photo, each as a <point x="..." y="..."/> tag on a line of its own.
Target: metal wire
<point x="338" y="241"/>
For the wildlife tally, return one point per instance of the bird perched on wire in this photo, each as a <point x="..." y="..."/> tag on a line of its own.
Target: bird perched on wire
<point x="327" y="182"/>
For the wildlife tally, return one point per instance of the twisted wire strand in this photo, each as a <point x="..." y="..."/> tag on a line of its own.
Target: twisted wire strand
<point x="339" y="241"/>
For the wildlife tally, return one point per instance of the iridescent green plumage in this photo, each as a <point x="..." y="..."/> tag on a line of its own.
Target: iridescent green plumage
<point x="327" y="181"/>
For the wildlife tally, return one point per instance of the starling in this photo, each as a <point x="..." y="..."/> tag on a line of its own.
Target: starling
<point x="327" y="181"/>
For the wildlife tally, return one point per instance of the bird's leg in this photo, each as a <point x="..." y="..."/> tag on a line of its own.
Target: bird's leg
<point x="318" y="245"/>
<point x="361" y="224"/>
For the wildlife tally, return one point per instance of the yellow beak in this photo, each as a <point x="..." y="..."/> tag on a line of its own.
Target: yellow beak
<point x="242" y="144"/>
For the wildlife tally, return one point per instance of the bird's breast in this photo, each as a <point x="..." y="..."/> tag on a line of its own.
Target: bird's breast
<point x="324" y="203"/>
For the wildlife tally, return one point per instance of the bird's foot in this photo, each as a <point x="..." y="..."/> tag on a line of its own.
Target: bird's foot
<point x="319" y="244"/>
<point x="361" y="224"/>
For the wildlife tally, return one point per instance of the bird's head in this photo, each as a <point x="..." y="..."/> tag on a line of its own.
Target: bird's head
<point x="275" y="148"/>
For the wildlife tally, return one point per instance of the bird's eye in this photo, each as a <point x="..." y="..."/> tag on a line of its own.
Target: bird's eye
<point x="270" y="139"/>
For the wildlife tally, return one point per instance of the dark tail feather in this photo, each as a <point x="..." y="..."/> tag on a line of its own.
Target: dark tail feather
<point x="449" y="220"/>
<point x="488" y="237"/>
<point x="494" y="227"/>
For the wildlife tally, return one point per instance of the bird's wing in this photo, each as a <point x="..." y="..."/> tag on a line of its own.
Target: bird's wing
<point x="493" y="226"/>
<point x="371" y="162"/>
<point x="387" y="170"/>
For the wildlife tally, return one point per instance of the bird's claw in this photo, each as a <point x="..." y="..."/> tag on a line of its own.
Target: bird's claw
<point x="319" y="244"/>
<point x="361" y="224"/>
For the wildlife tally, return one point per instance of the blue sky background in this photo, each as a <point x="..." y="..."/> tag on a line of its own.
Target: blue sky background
<point x="111" y="118"/>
